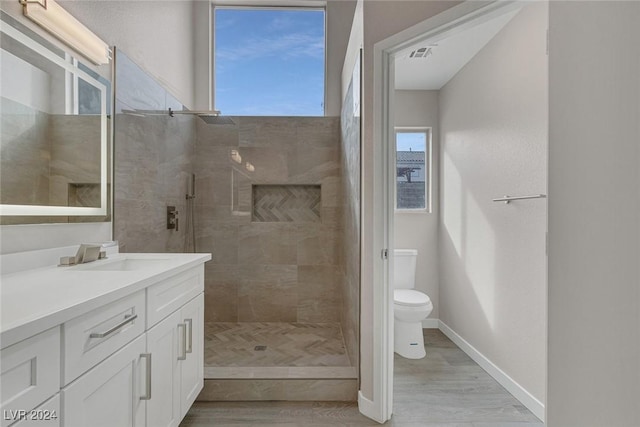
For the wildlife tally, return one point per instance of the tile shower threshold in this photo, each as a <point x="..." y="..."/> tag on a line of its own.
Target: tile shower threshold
<point x="280" y="372"/>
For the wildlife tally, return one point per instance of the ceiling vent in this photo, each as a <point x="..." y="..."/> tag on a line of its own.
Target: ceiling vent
<point x="422" y="52"/>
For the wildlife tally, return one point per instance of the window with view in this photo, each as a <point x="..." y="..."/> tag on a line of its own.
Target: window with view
<point x="269" y="61"/>
<point x="413" y="169"/>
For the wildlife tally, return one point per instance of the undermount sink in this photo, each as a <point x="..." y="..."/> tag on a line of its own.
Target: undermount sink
<point x="127" y="264"/>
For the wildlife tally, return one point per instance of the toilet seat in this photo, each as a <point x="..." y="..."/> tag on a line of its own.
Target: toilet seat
<point x="410" y="298"/>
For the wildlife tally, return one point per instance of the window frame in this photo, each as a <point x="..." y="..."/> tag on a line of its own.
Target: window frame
<point x="428" y="188"/>
<point x="258" y="5"/>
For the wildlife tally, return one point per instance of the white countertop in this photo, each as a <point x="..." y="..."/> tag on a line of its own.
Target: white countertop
<point x="33" y="301"/>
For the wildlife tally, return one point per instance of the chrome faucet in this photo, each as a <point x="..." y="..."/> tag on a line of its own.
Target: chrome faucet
<point x="86" y="253"/>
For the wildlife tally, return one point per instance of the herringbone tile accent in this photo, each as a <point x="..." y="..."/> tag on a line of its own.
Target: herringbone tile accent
<point x="288" y="344"/>
<point x="286" y="203"/>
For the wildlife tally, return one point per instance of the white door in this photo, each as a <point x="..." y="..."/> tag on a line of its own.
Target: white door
<point x="109" y="394"/>
<point x="191" y="349"/>
<point x="163" y="408"/>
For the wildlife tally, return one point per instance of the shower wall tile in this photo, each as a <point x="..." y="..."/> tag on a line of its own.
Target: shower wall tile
<point x="216" y="187"/>
<point x="317" y="132"/>
<point x="286" y="271"/>
<point x="319" y="297"/>
<point x="221" y="292"/>
<point x="216" y="135"/>
<point x="268" y="293"/>
<point x="270" y="132"/>
<point x="270" y="164"/>
<point x="332" y="191"/>
<point x="221" y="240"/>
<point x="332" y="217"/>
<point x="317" y="245"/>
<point x="350" y="219"/>
<point x="267" y="243"/>
<point x="220" y="214"/>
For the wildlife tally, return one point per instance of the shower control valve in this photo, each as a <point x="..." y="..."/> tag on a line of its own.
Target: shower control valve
<point x="172" y="218"/>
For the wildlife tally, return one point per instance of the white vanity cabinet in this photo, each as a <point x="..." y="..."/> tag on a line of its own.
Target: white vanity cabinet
<point x="175" y="343"/>
<point x="136" y="361"/>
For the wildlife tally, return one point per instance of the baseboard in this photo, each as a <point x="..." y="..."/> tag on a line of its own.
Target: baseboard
<point x="430" y="324"/>
<point x="367" y="408"/>
<point x="519" y="392"/>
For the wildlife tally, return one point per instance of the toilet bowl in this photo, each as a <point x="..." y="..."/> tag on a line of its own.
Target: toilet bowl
<point x="410" y="307"/>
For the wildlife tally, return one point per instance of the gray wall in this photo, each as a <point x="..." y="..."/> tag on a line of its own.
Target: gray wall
<point x="269" y="271"/>
<point x="594" y="215"/>
<point x="493" y="127"/>
<point x="419" y="230"/>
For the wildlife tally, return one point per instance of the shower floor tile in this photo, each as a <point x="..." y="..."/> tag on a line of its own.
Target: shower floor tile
<point x="287" y="345"/>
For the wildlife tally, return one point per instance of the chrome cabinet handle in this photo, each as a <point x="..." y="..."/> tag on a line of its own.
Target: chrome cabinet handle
<point x="183" y="349"/>
<point x="147" y="395"/>
<point x="189" y="346"/>
<point x="128" y="318"/>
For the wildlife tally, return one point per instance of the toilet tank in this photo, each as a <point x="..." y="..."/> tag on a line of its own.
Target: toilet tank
<point x="404" y="269"/>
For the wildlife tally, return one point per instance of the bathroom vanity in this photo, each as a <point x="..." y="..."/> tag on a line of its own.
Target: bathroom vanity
<point x="115" y="342"/>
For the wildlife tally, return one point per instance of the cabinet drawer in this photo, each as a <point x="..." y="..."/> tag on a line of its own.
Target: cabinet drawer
<point x="169" y="295"/>
<point x="45" y="415"/>
<point x="30" y="372"/>
<point x="91" y="338"/>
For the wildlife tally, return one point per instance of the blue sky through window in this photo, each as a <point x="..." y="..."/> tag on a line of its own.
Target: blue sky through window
<point x="410" y="141"/>
<point x="269" y="62"/>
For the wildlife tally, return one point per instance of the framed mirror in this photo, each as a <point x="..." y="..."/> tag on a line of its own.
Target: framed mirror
<point x="55" y="134"/>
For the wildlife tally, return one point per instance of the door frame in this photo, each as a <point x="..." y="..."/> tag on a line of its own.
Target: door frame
<point x="455" y="19"/>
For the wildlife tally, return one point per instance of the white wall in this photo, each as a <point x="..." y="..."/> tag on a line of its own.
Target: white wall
<point x="493" y="124"/>
<point x="339" y="18"/>
<point x="594" y="215"/>
<point x="157" y="35"/>
<point x="419" y="230"/>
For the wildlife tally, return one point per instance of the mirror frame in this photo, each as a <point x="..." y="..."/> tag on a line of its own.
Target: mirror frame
<point x="40" y="210"/>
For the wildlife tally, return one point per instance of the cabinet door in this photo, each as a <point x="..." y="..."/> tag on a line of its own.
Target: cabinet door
<point x="29" y="374"/>
<point x="109" y="394"/>
<point x="163" y="409"/>
<point x="192" y="368"/>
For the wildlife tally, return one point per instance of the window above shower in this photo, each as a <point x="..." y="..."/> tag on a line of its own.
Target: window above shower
<point x="269" y="61"/>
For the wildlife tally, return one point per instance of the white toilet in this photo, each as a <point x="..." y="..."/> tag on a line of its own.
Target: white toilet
<point x="410" y="307"/>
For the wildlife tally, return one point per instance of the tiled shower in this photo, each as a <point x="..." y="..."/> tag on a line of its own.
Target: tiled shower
<point x="275" y="205"/>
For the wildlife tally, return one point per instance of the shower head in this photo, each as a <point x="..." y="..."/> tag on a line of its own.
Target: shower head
<point x="210" y="117"/>
<point x="217" y="120"/>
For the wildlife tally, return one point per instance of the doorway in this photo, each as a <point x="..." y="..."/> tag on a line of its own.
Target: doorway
<point x="490" y="140"/>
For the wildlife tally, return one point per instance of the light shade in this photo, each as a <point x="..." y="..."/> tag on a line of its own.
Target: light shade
<point x="53" y="18"/>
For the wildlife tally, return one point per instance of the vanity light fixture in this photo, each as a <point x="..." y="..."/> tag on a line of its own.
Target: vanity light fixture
<point x="53" y="18"/>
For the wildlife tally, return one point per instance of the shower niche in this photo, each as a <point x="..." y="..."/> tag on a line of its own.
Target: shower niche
<point x="286" y="203"/>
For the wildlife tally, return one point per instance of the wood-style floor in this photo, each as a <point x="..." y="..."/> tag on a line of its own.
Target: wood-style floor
<point x="445" y="389"/>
